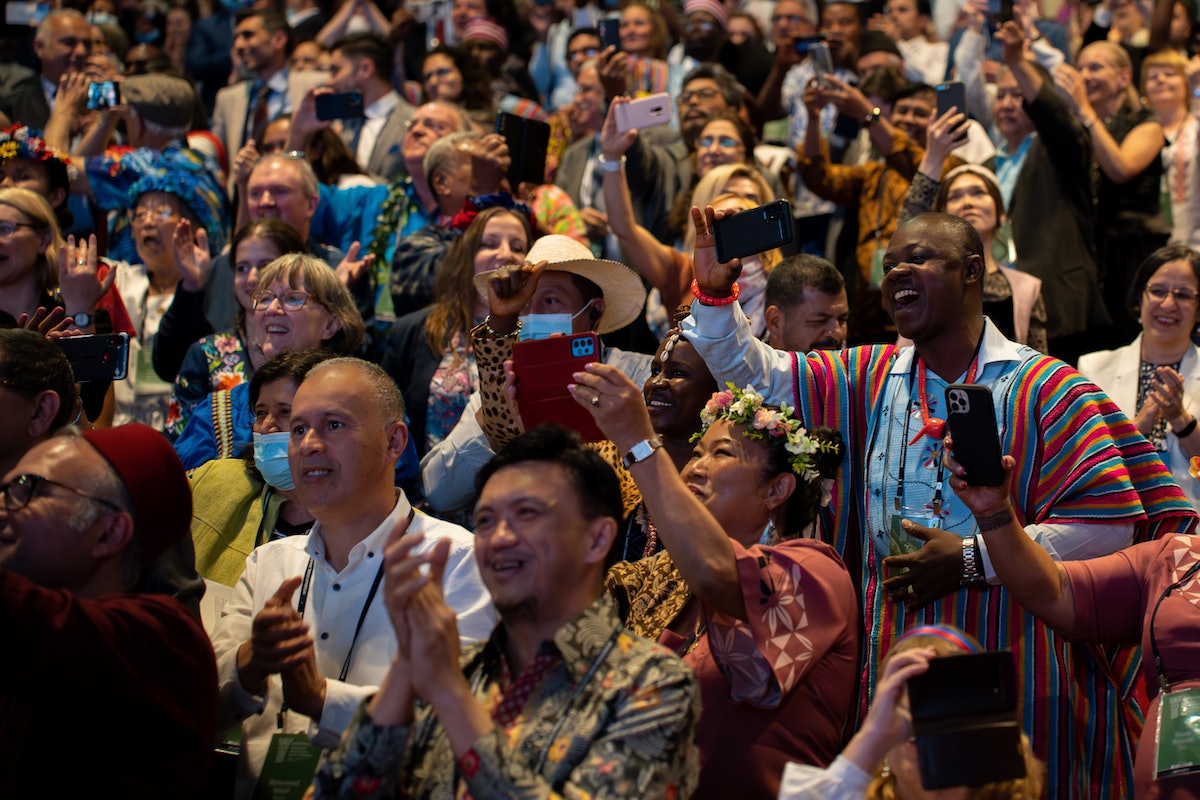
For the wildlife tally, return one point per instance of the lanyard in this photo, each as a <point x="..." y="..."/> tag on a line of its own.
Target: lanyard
<point x="1158" y="665"/>
<point x="931" y="426"/>
<point x="362" y="617"/>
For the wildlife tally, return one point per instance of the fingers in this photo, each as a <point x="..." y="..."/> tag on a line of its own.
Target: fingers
<point x="283" y="595"/>
<point x="437" y="562"/>
<point x="106" y="283"/>
<point x="202" y="239"/>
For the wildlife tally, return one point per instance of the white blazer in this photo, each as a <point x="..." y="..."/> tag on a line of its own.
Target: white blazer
<point x="1116" y="372"/>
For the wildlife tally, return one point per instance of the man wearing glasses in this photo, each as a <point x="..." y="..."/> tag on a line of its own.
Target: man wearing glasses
<point x="81" y="518"/>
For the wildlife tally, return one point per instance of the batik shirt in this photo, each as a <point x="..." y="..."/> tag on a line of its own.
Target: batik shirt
<point x="614" y="717"/>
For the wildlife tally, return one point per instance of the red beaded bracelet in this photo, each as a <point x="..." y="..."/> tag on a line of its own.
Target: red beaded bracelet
<point x="706" y="300"/>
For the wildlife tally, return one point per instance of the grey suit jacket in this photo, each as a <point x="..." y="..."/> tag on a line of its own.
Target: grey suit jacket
<point x="386" y="161"/>
<point x="233" y="103"/>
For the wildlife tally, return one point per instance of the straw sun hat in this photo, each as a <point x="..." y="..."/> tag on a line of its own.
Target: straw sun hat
<point x="624" y="294"/>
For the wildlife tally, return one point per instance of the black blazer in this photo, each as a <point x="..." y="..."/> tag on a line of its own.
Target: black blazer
<point x="26" y="103"/>
<point x="1053" y="218"/>
<point x="411" y="362"/>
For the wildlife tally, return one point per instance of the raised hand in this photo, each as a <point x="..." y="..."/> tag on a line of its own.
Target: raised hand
<point x="192" y="258"/>
<point x="78" y="275"/>
<point x="613" y="144"/>
<point x="279" y="640"/>
<point x="714" y="278"/>
<point x="351" y="268"/>
<point x="510" y="290"/>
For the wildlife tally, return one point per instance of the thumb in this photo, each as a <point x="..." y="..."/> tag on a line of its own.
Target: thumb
<point x="917" y="531"/>
<point x="352" y="251"/>
<point x="283" y="595"/>
<point x="437" y="563"/>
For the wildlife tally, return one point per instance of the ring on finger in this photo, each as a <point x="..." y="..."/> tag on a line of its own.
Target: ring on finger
<point x="912" y="590"/>
<point x="595" y="401"/>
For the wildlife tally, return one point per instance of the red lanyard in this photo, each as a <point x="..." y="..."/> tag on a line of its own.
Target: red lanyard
<point x="932" y="426"/>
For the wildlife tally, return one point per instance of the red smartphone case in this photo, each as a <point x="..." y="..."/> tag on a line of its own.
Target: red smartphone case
<point x="544" y="368"/>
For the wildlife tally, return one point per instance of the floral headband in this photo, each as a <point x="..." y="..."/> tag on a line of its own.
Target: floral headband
<point x="474" y="205"/>
<point x="21" y="141"/>
<point x="773" y="426"/>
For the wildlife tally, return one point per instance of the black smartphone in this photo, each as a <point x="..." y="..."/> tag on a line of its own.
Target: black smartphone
<point x="340" y="105"/>
<point x="802" y="44"/>
<point x="951" y="93"/>
<point x="528" y="140"/>
<point x="822" y="59"/>
<point x="97" y="357"/>
<point x="610" y="33"/>
<point x="971" y="418"/>
<point x="543" y="368"/>
<point x="963" y="707"/>
<point x="754" y="230"/>
<point x="103" y="94"/>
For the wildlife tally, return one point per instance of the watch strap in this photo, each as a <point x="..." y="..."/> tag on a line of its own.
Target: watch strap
<point x="641" y="451"/>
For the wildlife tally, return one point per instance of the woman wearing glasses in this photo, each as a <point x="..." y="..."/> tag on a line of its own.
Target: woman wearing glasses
<point x="1156" y="378"/>
<point x="299" y="304"/>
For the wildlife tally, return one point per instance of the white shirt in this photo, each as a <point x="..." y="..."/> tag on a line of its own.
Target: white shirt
<point x="376" y="117"/>
<point x="841" y="780"/>
<point x="335" y="601"/>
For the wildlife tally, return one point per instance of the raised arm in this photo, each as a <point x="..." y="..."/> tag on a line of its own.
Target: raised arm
<point x="1123" y="161"/>
<point x="647" y="255"/>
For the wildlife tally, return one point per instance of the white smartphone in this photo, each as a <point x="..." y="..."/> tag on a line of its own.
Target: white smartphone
<point x="645" y="112"/>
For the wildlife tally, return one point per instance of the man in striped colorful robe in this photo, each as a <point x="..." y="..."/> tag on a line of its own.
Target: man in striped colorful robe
<point x="1085" y="483"/>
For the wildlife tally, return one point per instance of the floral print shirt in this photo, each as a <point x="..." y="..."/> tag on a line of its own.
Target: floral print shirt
<point x="214" y="363"/>
<point x="613" y="717"/>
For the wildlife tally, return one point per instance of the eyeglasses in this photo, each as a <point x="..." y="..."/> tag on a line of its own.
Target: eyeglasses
<point x="699" y="94"/>
<point x="700" y="24"/>
<point x="793" y="19"/>
<point x="288" y="301"/>
<point x="1182" y="296"/>
<point x="587" y="52"/>
<point x="440" y="128"/>
<point x="440" y="72"/>
<point x="19" y="491"/>
<point x="9" y="229"/>
<point x="721" y="142"/>
<point x="160" y="214"/>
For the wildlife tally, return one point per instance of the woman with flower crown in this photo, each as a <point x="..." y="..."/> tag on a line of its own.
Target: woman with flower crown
<point x="766" y="619"/>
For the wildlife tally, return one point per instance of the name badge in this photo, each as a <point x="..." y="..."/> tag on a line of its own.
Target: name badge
<point x="1178" y="736"/>
<point x="289" y="769"/>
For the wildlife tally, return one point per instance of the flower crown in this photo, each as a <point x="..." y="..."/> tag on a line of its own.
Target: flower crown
<point x="21" y="141"/>
<point x="474" y="205"/>
<point x="774" y="426"/>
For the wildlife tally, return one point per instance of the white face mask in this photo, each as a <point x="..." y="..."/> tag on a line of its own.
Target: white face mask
<point x="271" y="458"/>
<point x="543" y="326"/>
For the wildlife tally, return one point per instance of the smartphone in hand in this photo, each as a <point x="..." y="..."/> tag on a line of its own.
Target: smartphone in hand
<point x="97" y="357"/>
<point x="754" y="230"/>
<point x="102" y="95"/>
<point x="543" y="369"/>
<point x="340" y="105"/>
<point x="645" y="112"/>
<point x="971" y="418"/>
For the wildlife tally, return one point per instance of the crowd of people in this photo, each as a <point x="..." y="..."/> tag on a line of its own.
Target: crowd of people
<point x="292" y="535"/>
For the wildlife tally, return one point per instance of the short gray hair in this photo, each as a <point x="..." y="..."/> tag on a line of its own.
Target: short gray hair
<point x="443" y="149"/>
<point x="43" y="28"/>
<point x="308" y="178"/>
<point x="387" y="394"/>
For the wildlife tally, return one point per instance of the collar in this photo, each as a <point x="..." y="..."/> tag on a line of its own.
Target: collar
<point x="383" y="106"/>
<point x="372" y="543"/>
<point x="294" y="18"/>
<point x="996" y="348"/>
<point x="1003" y="150"/>
<point x="48" y="87"/>
<point x="579" y="641"/>
<point x="279" y="81"/>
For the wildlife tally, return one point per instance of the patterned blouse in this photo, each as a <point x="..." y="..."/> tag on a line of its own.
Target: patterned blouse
<point x="216" y="362"/>
<point x="600" y="713"/>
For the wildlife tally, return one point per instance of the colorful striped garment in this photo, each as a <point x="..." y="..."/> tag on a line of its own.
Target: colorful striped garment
<point x="1079" y="460"/>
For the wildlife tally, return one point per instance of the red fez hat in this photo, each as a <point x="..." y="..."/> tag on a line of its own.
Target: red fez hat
<point x="155" y="480"/>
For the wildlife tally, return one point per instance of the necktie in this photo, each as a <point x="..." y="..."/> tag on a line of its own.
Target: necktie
<point x="258" y="119"/>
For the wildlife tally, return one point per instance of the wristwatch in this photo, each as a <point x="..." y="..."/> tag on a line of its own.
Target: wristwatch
<point x="82" y="319"/>
<point x="641" y="451"/>
<point x="870" y="119"/>
<point x="611" y="165"/>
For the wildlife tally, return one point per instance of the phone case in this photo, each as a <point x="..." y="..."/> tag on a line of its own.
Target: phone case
<point x="610" y="33"/>
<point x="645" y="112"/>
<point x="822" y="60"/>
<point x="544" y="368"/>
<point x="971" y="418"/>
<point x="802" y="44"/>
<point x="528" y="140"/>
<point x="951" y="93"/>
<point x="754" y="230"/>
<point x="340" y="105"/>
<point x="98" y="357"/>
<point x="962" y="707"/>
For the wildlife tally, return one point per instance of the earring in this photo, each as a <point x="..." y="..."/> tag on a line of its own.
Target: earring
<point x="768" y="534"/>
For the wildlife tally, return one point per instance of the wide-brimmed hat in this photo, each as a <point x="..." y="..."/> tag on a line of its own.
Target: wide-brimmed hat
<point x="624" y="294"/>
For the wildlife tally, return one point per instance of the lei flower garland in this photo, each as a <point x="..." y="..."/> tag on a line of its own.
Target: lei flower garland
<point x="774" y="426"/>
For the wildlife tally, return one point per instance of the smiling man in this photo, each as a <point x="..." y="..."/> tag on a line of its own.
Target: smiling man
<point x="1085" y="482"/>
<point x="307" y="627"/>
<point x="560" y="701"/>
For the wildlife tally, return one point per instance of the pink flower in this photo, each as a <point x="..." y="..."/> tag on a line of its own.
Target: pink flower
<point x="766" y="420"/>
<point x="722" y="399"/>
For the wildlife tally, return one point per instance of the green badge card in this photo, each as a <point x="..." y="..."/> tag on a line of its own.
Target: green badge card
<point x="1178" y="734"/>
<point x="289" y="769"/>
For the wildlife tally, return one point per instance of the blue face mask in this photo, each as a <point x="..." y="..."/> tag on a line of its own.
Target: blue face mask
<point x="271" y="458"/>
<point x="543" y="326"/>
<point x="147" y="37"/>
<point x="236" y="5"/>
